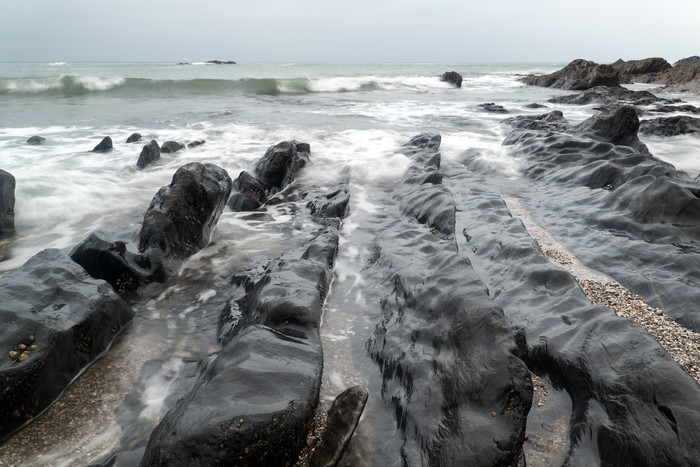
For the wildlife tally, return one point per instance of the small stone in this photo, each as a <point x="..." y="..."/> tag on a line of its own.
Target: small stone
<point x="14" y="355"/>
<point x="493" y="414"/>
<point x="31" y="338"/>
<point x="23" y="356"/>
<point x="16" y="414"/>
<point x="22" y="347"/>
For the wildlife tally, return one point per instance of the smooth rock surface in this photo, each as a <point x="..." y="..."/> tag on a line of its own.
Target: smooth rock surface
<point x="149" y="154"/>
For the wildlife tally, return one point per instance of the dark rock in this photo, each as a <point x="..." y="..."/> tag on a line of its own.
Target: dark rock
<point x="670" y="126"/>
<point x="452" y="77"/>
<point x="494" y="108"/>
<point x="36" y="140"/>
<point x="171" y="146"/>
<point x="675" y="108"/>
<point x="552" y="121"/>
<point x="618" y="126"/>
<point x="255" y="403"/>
<point x="683" y="76"/>
<point x="248" y="193"/>
<point x="578" y="75"/>
<point x="609" y="96"/>
<point x="104" y="146"/>
<point x="135" y="137"/>
<point x="7" y="203"/>
<point x="149" y="154"/>
<point x="178" y="223"/>
<point x="335" y="204"/>
<point x="194" y="144"/>
<point x="535" y="105"/>
<point x="280" y="164"/>
<point x="629" y="71"/>
<point x="51" y="303"/>
<point x="343" y="417"/>
<point x="220" y="62"/>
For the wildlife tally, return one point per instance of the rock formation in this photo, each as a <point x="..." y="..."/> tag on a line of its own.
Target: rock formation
<point x="578" y="75"/>
<point x="7" y="203"/>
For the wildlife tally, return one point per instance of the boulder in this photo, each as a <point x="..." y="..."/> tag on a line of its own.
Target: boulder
<point x="248" y="193"/>
<point x="618" y="126"/>
<point x="578" y="75"/>
<point x="670" y="126"/>
<point x="194" y="144"/>
<point x="632" y="69"/>
<point x="453" y="78"/>
<point x="342" y="420"/>
<point x="493" y="108"/>
<point x="104" y="146"/>
<point x="56" y="321"/>
<point x="36" y="140"/>
<point x="280" y="164"/>
<point x="134" y="138"/>
<point x="149" y="154"/>
<point x="332" y="205"/>
<point x="171" y="146"/>
<point x="7" y="203"/>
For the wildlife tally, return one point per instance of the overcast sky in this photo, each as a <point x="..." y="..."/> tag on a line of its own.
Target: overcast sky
<point x="359" y="30"/>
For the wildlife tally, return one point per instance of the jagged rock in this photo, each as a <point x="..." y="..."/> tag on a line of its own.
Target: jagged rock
<point x="452" y="77"/>
<point x="278" y="167"/>
<point x="248" y="193"/>
<point x="57" y="320"/>
<point x="632" y="69"/>
<point x="171" y="146"/>
<point x="578" y="75"/>
<point x="104" y="146"/>
<point x="552" y="121"/>
<point x="670" y="126"/>
<point x="683" y="76"/>
<point x="7" y="203"/>
<point x="135" y="137"/>
<point x="149" y="154"/>
<point x="609" y="96"/>
<point x="618" y="126"/>
<point x="335" y="204"/>
<point x="36" y="140"/>
<point x="343" y="417"/>
<point x="494" y="108"/>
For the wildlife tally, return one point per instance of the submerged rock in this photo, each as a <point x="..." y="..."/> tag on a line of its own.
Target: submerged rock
<point x="134" y="138"/>
<point x="7" y="203"/>
<point x="453" y="78"/>
<point x="194" y="144"/>
<point x="494" y="108"/>
<point x="609" y="96"/>
<point x="670" y="126"/>
<point x="36" y="140"/>
<point x="578" y="75"/>
<point x="149" y="154"/>
<point x="104" y="146"/>
<point x="57" y="320"/>
<point x="171" y="146"/>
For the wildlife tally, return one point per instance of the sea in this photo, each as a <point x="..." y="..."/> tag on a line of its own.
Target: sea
<point x="354" y="116"/>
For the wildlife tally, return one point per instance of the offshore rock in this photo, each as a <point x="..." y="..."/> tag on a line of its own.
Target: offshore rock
<point x="194" y="144"/>
<point x="149" y="154"/>
<point x="280" y="164"/>
<point x="248" y="193"/>
<point x="670" y="126"/>
<point x="552" y="121"/>
<point x="104" y="146"/>
<point x="683" y="76"/>
<point x="7" y="203"/>
<point x="56" y="321"/>
<point x="254" y="403"/>
<point x="343" y="417"/>
<point x="222" y="62"/>
<point x="36" y="140"/>
<point x="610" y="96"/>
<point x="494" y="108"/>
<point x="578" y="75"/>
<point x="453" y="78"/>
<point x="178" y="223"/>
<point x="171" y="146"/>
<point x="631" y="70"/>
<point x="134" y="138"/>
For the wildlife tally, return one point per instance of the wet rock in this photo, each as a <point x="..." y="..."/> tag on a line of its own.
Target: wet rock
<point x="493" y="108"/>
<point x="676" y="108"/>
<point x="670" y="126"/>
<point x="220" y="62"/>
<point x="149" y="154"/>
<point x="7" y="203"/>
<point x="36" y="140"/>
<point x="618" y="126"/>
<point x="683" y="76"/>
<point x="343" y="417"/>
<point x="194" y="144"/>
<point x="578" y="75"/>
<point x="631" y="70"/>
<point x="552" y="121"/>
<point x="280" y="164"/>
<point x="134" y="138"/>
<point x="453" y="78"/>
<point x="104" y="146"/>
<point x="535" y="105"/>
<point x="609" y="96"/>
<point x="335" y="204"/>
<point x="51" y="303"/>
<point x="171" y="146"/>
<point x="248" y="193"/>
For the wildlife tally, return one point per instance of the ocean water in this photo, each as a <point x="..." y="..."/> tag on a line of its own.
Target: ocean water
<point x="353" y="115"/>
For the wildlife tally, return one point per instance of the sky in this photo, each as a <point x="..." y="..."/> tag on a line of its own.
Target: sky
<point x="349" y="31"/>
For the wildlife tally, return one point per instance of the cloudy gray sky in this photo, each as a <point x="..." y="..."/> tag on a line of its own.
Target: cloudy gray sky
<point x="359" y="30"/>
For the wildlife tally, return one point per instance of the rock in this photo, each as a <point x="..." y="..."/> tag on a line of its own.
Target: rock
<point x="335" y="204"/>
<point x="135" y="137"/>
<point x="494" y="108"/>
<point x="7" y="203"/>
<point x="280" y="164"/>
<point x="72" y="318"/>
<point x="670" y="126"/>
<point x="535" y="105"/>
<point x="618" y="126"/>
<point x="343" y="417"/>
<point x="629" y="71"/>
<point x="578" y="75"/>
<point x="178" y="223"/>
<point x="35" y="140"/>
<point x="149" y="154"/>
<point x="171" y="146"/>
<point x="248" y="193"/>
<point x="683" y="76"/>
<point x="194" y="144"/>
<point x="609" y="96"/>
<point x="552" y="121"/>
<point x="219" y="62"/>
<point x="104" y="146"/>
<point x="452" y="77"/>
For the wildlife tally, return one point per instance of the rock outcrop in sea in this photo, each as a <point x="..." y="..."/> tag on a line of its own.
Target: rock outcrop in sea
<point x="578" y="75"/>
<point x="7" y="203"/>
